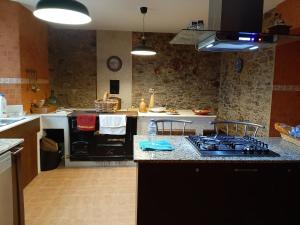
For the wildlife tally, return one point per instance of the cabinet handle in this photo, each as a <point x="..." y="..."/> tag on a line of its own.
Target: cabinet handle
<point x="17" y="151"/>
<point x="245" y="170"/>
<point x="197" y="170"/>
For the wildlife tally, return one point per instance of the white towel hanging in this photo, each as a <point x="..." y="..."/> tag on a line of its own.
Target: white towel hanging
<point x="112" y="124"/>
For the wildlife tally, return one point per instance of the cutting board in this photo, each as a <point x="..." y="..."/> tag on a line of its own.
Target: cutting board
<point x="43" y="110"/>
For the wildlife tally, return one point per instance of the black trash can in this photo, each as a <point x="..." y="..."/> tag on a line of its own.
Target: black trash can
<point x="50" y="160"/>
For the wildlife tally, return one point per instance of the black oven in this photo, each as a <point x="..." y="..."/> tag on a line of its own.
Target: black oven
<point x="92" y="146"/>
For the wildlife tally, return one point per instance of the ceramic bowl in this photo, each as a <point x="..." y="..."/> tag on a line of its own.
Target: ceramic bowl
<point x="201" y="111"/>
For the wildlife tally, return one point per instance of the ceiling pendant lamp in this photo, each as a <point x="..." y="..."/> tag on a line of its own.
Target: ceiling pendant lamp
<point x="68" y="12"/>
<point x="142" y="49"/>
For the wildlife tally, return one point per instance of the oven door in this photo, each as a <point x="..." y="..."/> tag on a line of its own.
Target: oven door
<point x="109" y="146"/>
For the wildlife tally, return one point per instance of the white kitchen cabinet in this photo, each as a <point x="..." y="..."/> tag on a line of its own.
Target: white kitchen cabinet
<point x="57" y="121"/>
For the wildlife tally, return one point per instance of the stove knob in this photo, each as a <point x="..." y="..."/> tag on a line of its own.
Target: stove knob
<point x="245" y="151"/>
<point x="251" y="149"/>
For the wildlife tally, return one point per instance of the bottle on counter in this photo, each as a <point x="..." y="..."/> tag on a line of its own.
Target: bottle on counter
<point x="142" y="106"/>
<point x="151" y="102"/>
<point x="152" y="129"/>
<point x="3" y="105"/>
<point x="52" y="100"/>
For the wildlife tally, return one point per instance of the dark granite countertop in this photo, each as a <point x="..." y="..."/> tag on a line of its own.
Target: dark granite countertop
<point x="186" y="152"/>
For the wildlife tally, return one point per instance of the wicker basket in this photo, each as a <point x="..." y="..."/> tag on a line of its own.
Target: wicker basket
<point x="109" y="105"/>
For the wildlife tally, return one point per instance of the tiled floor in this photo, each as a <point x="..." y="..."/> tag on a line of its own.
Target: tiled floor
<point x="82" y="196"/>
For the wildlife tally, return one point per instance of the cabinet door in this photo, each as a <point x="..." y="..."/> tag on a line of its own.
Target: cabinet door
<point x="257" y="195"/>
<point x="218" y="194"/>
<point x="171" y="194"/>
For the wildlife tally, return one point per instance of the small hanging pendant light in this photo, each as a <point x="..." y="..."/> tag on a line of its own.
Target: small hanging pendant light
<point x="142" y="49"/>
<point x="68" y="12"/>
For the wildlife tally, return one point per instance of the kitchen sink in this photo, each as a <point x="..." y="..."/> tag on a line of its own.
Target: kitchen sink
<point x="7" y="121"/>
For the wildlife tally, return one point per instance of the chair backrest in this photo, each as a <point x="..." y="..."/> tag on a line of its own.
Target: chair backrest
<point x="246" y="125"/>
<point x="165" y="122"/>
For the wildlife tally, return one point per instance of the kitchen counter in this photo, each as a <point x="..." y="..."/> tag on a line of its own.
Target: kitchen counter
<point x="186" y="152"/>
<point x="7" y="144"/>
<point x="127" y="113"/>
<point x="58" y="113"/>
<point x="22" y="121"/>
<point x="181" y="113"/>
<point x="183" y="187"/>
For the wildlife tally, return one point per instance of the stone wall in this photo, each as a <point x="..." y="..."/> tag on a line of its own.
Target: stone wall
<point x="247" y="96"/>
<point x="73" y="66"/>
<point x="182" y="77"/>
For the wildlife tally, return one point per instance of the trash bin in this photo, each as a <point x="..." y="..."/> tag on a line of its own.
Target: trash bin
<point x="50" y="154"/>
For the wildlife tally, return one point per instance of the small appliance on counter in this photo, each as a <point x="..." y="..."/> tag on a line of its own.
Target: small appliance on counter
<point x="15" y="111"/>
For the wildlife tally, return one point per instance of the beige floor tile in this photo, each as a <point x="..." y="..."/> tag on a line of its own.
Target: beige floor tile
<point x="82" y="196"/>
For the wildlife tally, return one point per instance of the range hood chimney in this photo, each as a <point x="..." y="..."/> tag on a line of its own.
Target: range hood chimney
<point x="233" y="26"/>
<point x="236" y="15"/>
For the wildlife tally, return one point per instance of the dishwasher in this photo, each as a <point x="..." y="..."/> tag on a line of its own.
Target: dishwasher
<point x="6" y="189"/>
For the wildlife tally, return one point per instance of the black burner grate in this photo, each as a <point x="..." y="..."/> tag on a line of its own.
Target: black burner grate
<point x="221" y="145"/>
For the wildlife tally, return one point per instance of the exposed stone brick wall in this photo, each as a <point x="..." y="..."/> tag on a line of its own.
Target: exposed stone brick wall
<point x="73" y="66"/>
<point x="247" y="96"/>
<point x="182" y="77"/>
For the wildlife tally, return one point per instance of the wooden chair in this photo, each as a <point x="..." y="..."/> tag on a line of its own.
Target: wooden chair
<point x="163" y="123"/>
<point x="247" y="126"/>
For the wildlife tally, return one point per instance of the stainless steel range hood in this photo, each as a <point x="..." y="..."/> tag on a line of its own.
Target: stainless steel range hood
<point x="233" y="26"/>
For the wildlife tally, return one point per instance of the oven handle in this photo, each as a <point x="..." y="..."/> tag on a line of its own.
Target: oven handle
<point x="239" y="170"/>
<point x="17" y="151"/>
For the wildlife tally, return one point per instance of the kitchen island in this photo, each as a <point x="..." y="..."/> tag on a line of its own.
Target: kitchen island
<point x="183" y="187"/>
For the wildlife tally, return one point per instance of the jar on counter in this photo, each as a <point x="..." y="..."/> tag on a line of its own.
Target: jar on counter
<point x="142" y="106"/>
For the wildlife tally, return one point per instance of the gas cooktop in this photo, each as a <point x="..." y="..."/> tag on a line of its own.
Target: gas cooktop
<point x="221" y="145"/>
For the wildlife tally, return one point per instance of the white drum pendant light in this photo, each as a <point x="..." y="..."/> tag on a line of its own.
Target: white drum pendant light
<point x="142" y="49"/>
<point x="68" y="12"/>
